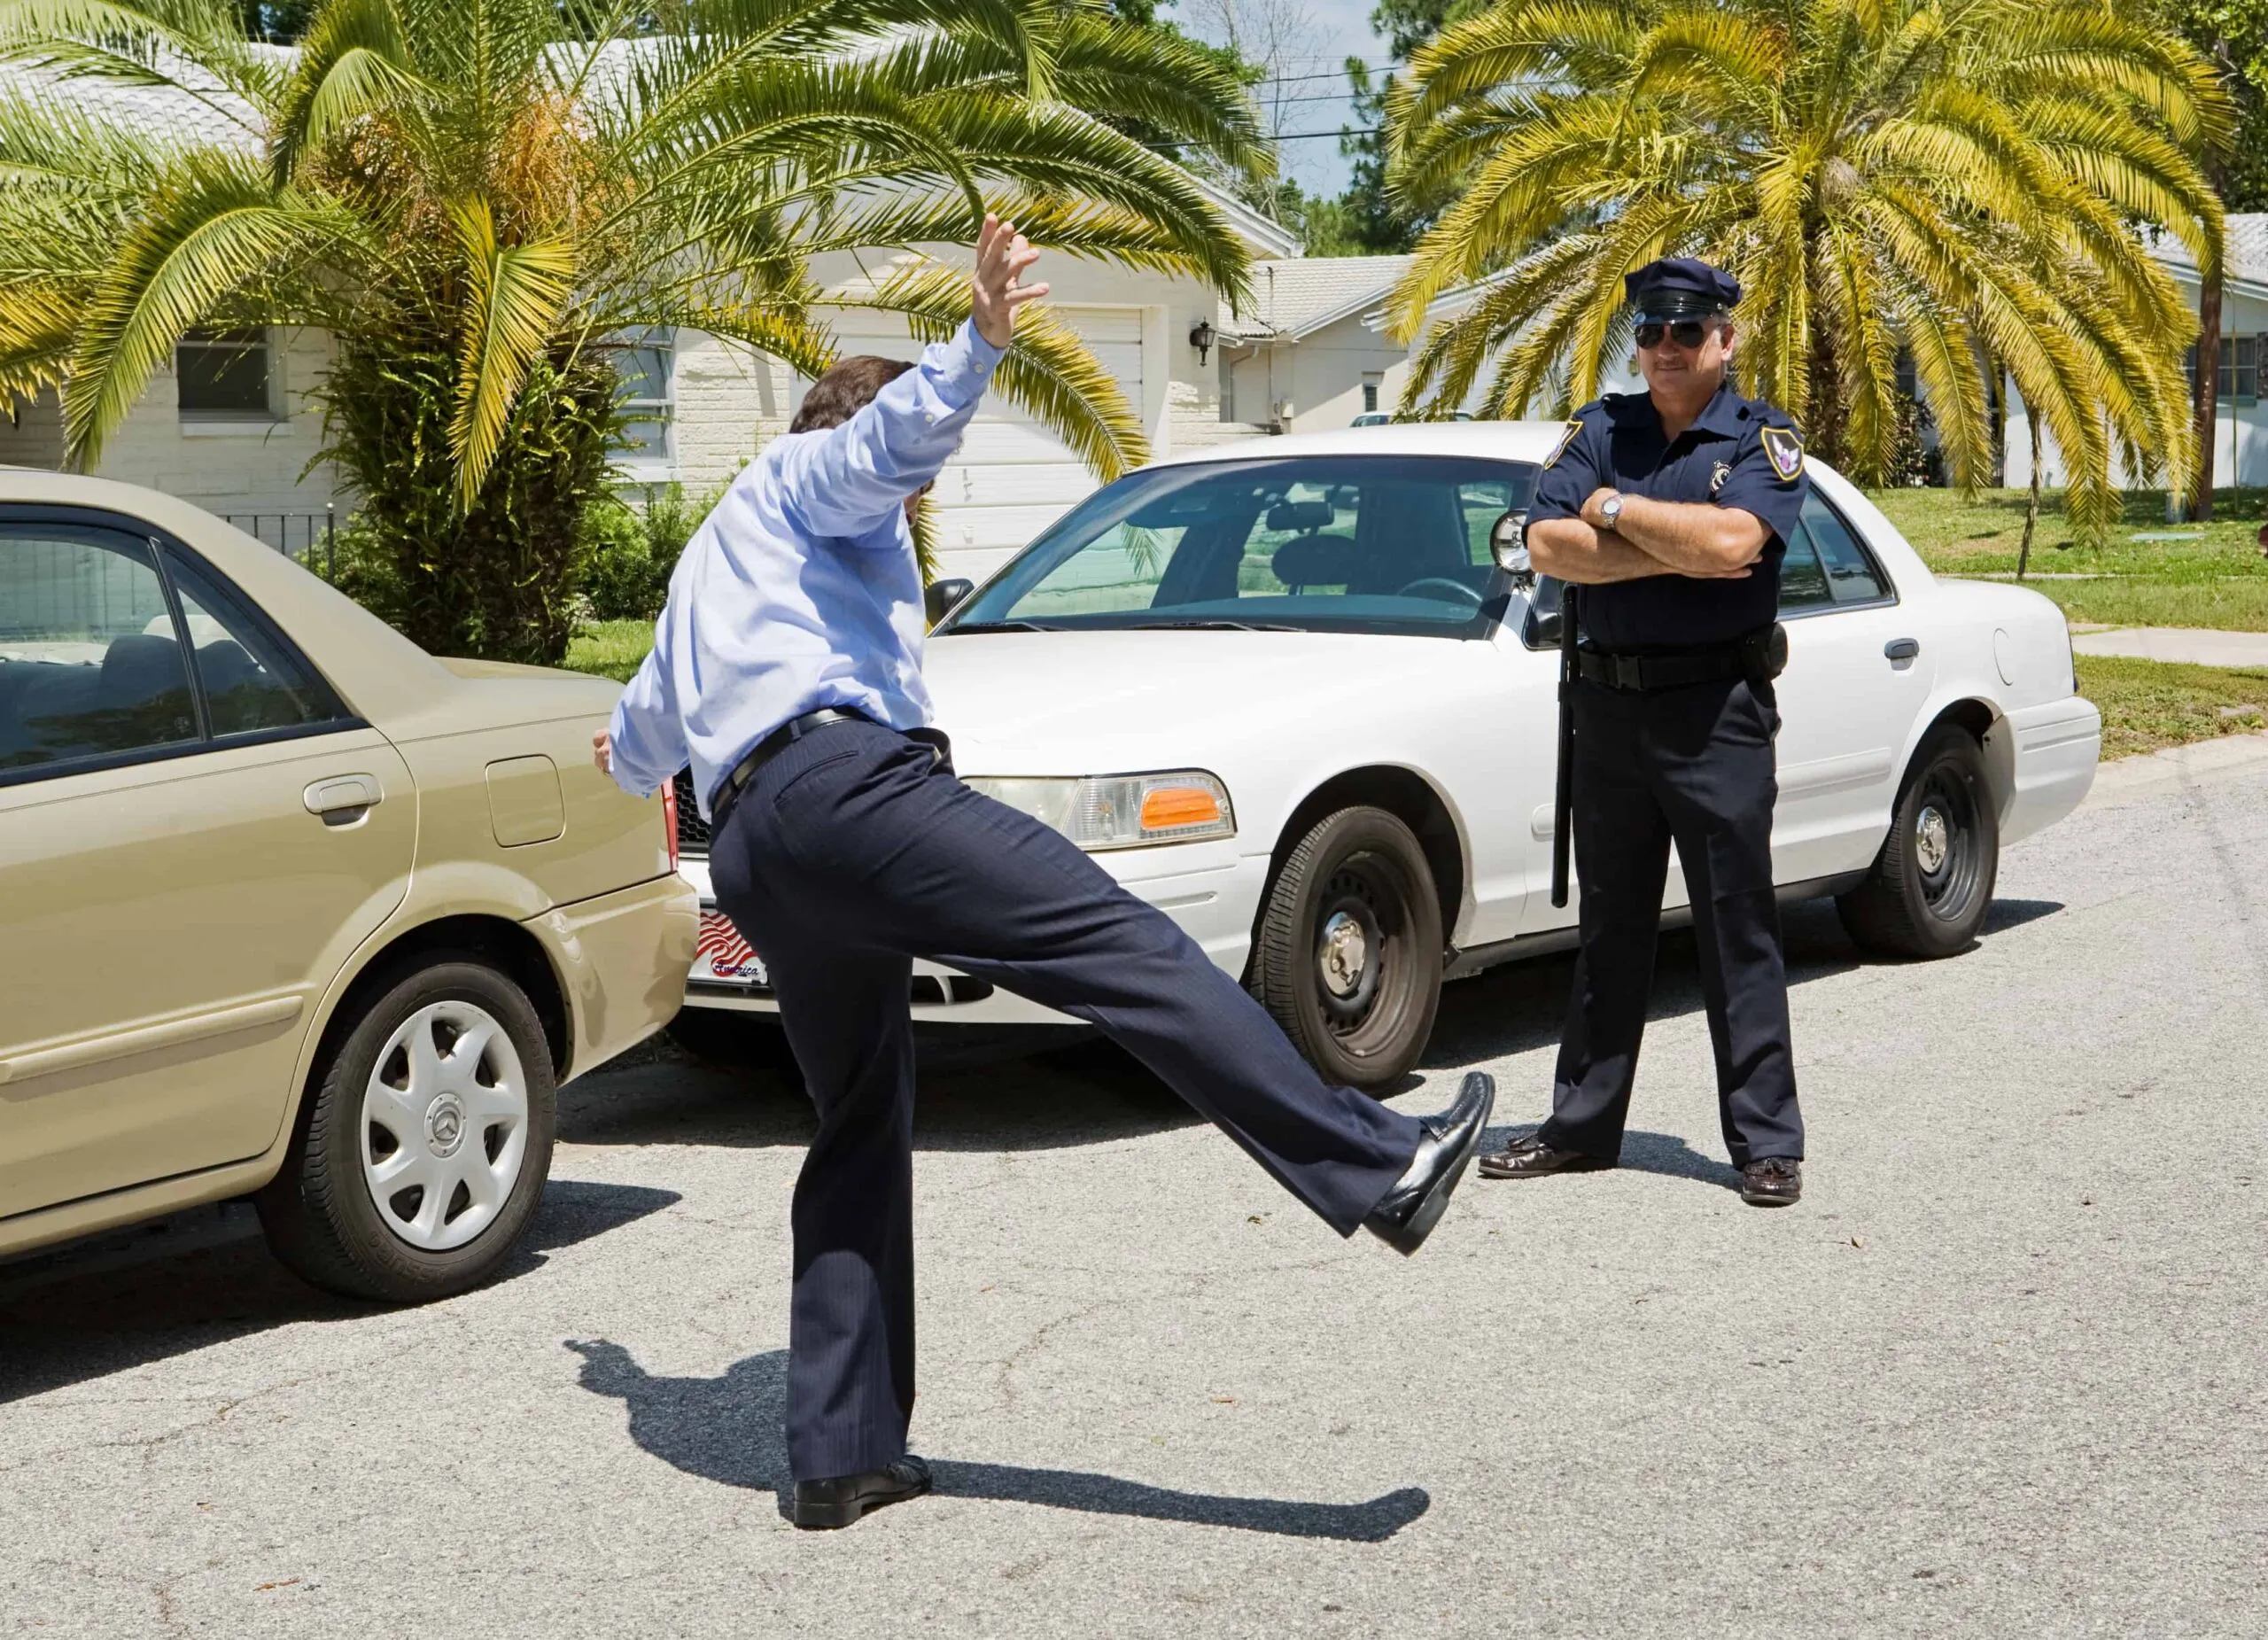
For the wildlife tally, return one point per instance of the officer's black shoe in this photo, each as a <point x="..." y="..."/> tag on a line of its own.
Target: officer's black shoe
<point x="839" y="1500"/>
<point x="1407" y="1214"/>
<point x="1773" y="1182"/>
<point x="1529" y="1157"/>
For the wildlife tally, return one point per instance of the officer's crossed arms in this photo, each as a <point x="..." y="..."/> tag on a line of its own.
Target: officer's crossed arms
<point x="1620" y="537"/>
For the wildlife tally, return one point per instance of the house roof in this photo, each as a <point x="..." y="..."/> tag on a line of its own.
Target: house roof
<point x="2248" y="252"/>
<point x="1295" y="297"/>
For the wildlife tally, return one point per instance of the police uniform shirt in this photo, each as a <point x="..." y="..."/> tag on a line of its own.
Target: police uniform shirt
<point x="1738" y="453"/>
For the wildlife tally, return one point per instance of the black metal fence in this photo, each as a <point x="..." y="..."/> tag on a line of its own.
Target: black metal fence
<point x="310" y="539"/>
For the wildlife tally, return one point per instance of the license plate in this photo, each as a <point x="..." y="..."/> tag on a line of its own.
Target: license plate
<point x="721" y="957"/>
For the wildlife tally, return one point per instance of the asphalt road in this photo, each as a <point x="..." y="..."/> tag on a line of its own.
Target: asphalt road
<point x="1999" y="1374"/>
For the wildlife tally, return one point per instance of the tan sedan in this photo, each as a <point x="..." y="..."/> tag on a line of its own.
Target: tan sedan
<point x="289" y="908"/>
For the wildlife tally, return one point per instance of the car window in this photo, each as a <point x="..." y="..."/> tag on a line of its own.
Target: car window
<point x="1850" y="575"/>
<point x="1803" y="582"/>
<point x="253" y="681"/>
<point x="1353" y="543"/>
<point x="90" y="661"/>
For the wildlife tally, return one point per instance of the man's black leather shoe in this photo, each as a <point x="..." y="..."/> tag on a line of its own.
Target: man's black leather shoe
<point x="839" y="1500"/>
<point x="1773" y="1182"/>
<point x="1407" y="1214"/>
<point x="1529" y="1157"/>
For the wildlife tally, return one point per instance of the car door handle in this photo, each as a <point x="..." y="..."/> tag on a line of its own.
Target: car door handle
<point x="343" y="799"/>
<point x="1902" y="648"/>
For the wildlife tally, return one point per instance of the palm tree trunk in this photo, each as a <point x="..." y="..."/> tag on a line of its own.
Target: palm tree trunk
<point x="2032" y="507"/>
<point x="2209" y="394"/>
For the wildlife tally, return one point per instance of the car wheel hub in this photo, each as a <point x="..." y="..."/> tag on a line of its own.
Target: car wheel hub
<point x="1346" y="954"/>
<point x="445" y="1125"/>
<point x="1933" y="840"/>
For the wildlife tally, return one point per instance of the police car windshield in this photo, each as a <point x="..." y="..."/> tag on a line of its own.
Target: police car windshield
<point x="1340" y="543"/>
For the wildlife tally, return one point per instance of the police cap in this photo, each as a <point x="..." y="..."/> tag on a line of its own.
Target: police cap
<point x="1680" y="287"/>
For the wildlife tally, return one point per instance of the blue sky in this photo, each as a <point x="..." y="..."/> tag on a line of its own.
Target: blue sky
<point x="1331" y="31"/>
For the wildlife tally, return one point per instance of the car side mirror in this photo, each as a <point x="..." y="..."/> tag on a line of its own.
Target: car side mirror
<point x="942" y="597"/>
<point x="1508" y="541"/>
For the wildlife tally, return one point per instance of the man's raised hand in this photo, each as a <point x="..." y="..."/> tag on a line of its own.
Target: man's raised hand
<point x="1002" y="256"/>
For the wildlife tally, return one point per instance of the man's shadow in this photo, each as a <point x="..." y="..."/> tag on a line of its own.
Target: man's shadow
<point x="729" y="1430"/>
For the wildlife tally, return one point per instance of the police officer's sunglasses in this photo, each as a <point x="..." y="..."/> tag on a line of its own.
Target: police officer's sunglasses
<point x="1687" y="333"/>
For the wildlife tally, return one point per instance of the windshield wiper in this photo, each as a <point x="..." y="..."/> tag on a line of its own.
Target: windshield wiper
<point x="997" y="626"/>
<point x="1218" y="623"/>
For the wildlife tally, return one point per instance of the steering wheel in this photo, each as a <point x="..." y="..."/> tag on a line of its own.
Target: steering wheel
<point x="1434" y="586"/>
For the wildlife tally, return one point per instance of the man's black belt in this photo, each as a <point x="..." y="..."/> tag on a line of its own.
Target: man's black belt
<point x="1658" y="672"/>
<point x="729" y="789"/>
<point x="771" y="746"/>
<point x="1759" y="657"/>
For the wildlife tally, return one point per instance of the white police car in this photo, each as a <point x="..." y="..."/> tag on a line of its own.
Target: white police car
<point x="1283" y="691"/>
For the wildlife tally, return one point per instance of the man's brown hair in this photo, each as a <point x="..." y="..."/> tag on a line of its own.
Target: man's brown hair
<point x="845" y="390"/>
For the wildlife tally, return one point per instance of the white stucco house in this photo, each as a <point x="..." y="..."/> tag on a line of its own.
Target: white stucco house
<point x="1300" y="357"/>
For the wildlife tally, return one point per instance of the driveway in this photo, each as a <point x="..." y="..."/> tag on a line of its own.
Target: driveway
<point x="1999" y="1374"/>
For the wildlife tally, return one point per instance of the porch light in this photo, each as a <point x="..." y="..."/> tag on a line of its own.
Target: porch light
<point x="1200" y="337"/>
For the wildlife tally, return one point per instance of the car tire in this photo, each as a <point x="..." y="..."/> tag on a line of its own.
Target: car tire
<point x="1931" y="887"/>
<point x="415" y="1170"/>
<point x="1350" y="951"/>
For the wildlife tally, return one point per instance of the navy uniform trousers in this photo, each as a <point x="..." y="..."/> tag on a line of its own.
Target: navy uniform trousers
<point x="1693" y="765"/>
<point x="852" y="851"/>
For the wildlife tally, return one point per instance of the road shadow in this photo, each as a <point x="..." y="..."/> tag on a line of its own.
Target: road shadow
<point x="1087" y="1092"/>
<point x="728" y="1429"/>
<point x="987" y="1097"/>
<point x="204" y="1276"/>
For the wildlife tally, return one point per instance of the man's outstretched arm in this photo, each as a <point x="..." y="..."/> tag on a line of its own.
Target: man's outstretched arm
<point x="848" y="479"/>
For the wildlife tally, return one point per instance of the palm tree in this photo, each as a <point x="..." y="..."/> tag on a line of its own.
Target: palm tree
<point x="478" y="199"/>
<point x="1960" y="181"/>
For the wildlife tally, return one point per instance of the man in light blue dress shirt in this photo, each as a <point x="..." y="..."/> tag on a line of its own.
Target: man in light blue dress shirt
<point x="786" y="671"/>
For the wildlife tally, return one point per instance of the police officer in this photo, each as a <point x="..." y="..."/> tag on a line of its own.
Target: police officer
<point x="787" y="670"/>
<point x="1670" y="511"/>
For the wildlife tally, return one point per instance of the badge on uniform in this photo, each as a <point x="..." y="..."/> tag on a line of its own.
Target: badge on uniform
<point x="1784" y="450"/>
<point x="1724" y="470"/>
<point x="1566" y="437"/>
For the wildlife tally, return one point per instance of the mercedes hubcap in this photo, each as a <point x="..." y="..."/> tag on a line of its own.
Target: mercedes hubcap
<point x="1346" y="954"/>
<point x="445" y="1125"/>
<point x="1933" y="840"/>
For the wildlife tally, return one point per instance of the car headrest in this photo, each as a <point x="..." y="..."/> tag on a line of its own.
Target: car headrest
<point x="1315" y="561"/>
<point x="1300" y="514"/>
<point x="138" y="670"/>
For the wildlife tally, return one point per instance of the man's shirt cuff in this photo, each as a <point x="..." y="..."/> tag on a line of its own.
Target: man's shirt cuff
<point x="966" y="366"/>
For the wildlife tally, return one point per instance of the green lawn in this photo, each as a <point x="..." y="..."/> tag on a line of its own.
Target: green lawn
<point x="2149" y="705"/>
<point x="2189" y="575"/>
<point x="610" y="648"/>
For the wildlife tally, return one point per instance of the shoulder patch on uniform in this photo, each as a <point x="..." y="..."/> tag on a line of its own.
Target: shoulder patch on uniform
<point x="1566" y="437"/>
<point x="1784" y="450"/>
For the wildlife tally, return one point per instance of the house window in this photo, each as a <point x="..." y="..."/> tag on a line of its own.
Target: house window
<point x="1371" y="379"/>
<point x="2240" y="366"/>
<point x="646" y="363"/>
<point x="225" y="376"/>
<point x="1909" y="380"/>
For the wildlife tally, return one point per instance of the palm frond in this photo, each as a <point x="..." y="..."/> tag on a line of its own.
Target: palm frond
<point x="515" y="296"/>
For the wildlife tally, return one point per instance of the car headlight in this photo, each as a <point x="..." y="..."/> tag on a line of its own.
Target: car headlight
<point x="1121" y="810"/>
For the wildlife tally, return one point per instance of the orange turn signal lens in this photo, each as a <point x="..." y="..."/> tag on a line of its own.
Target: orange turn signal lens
<point x="1164" y="807"/>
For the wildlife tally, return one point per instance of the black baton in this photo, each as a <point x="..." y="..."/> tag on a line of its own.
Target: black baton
<point x="1564" y="798"/>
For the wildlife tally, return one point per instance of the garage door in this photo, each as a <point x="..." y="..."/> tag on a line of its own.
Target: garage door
<point x="1012" y="478"/>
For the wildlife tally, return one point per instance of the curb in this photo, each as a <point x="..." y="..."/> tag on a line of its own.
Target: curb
<point x="2131" y="779"/>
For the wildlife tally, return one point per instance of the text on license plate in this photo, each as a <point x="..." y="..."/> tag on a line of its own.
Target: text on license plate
<point x="722" y="956"/>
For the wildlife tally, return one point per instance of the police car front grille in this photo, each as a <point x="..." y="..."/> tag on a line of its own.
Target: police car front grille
<point x="691" y="830"/>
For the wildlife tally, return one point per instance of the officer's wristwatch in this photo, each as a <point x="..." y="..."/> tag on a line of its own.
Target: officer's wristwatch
<point x="1611" y="510"/>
